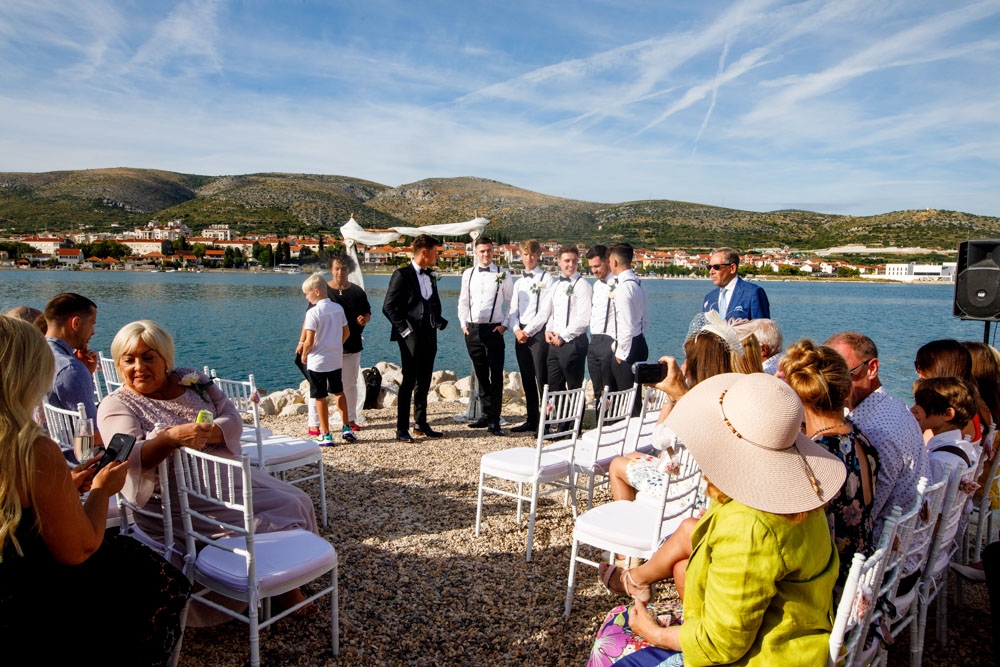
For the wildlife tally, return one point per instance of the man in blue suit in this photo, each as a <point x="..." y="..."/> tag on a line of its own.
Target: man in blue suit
<point x="733" y="298"/>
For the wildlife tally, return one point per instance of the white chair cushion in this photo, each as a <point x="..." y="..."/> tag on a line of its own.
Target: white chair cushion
<point x="282" y="449"/>
<point x="250" y="433"/>
<point x="281" y="558"/>
<point x="519" y="462"/>
<point x="591" y="435"/>
<point x="621" y="522"/>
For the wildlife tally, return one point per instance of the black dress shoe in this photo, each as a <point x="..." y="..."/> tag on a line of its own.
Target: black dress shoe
<point x="479" y="423"/>
<point x="426" y="430"/>
<point x="404" y="436"/>
<point x="525" y="428"/>
<point x="494" y="429"/>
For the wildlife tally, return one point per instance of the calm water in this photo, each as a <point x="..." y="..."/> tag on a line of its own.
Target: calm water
<point x="239" y="323"/>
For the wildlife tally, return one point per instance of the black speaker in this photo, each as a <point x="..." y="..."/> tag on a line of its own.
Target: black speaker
<point x="977" y="280"/>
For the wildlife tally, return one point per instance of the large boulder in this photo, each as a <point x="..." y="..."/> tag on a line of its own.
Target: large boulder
<point x="448" y="390"/>
<point x="464" y="385"/>
<point x="513" y="381"/>
<point x="388" y="397"/>
<point x="440" y="377"/>
<point x="390" y="372"/>
<point x="293" y="409"/>
<point x="266" y="407"/>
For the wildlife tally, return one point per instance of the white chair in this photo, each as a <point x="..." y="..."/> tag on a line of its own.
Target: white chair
<point x="594" y="454"/>
<point x="548" y="464"/>
<point x="61" y="423"/>
<point x="245" y="398"/>
<point x="244" y="566"/>
<point x="110" y="373"/>
<point x="925" y="538"/>
<point x="857" y="601"/>
<point x="164" y="517"/>
<point x="979" y="532"/>
<point x="98" y="394"/>
<point x="635" y="528"/>
<point x="273" y="454"/>
<point x="640" y="429"/>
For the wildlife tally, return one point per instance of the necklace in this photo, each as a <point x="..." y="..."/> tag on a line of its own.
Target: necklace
<point x="827" y="428"/>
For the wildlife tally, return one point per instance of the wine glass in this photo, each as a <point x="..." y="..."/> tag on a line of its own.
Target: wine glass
<point x="83" y="439"/>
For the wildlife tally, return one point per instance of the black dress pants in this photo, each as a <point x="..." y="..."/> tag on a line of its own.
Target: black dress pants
<point x="532" y="359"/>
<point x="416" y="353"/>
<point x="486" y="349"/>
<point x="567" y="364"/>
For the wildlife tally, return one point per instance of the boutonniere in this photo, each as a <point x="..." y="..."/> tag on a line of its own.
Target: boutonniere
<point x="193" y="381"/>
<point x="611" y="290"/>
<point x="500" y="277"/>
<point x="434" y="277"/>
<point x="535" y="287"/>
<point x="569" y="290"/>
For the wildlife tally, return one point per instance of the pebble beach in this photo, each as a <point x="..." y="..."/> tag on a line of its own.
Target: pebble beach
<point x="416" y="586"/>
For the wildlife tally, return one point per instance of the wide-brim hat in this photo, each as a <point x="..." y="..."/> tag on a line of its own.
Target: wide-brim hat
<point x="745" y="433"/>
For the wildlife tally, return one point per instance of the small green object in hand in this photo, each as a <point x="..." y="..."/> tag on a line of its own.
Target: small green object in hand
<point x="204" y="417"/>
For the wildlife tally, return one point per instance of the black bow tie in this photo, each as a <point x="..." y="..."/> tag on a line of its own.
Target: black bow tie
<point x="483" y="268"/>
<point x="427" y="272"/>
<point x="529" y="274"/>
<point x="561" y="279"/>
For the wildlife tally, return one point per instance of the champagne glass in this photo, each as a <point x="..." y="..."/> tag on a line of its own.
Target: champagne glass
<point x="83" y="439"/>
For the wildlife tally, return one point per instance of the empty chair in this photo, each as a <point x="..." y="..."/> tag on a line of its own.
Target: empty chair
<point x="127" y="512"/>
<point x="273" y="454"/>
<point x="110" y="373"/>
<point x="635" y="528"/>
<point x="549" y="462"/>
<point x="242" y="565"/>
<point x="858" y="599"/>
<point x="594" y="454"/>
<point x="649" y="414"/>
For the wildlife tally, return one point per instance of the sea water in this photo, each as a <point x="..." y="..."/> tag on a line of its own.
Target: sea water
<point x="239" y="323"/>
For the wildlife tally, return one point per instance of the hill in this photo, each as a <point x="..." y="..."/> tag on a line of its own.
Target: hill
<point x="303" y="203"/>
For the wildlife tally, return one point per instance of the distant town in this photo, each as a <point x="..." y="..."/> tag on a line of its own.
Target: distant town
<point x="174" y="246"/>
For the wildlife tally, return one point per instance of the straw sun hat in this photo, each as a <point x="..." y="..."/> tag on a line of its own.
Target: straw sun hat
<point x="745" y="433"/>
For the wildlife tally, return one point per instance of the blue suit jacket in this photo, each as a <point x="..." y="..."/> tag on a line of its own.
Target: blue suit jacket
<point x="748" y="302"/>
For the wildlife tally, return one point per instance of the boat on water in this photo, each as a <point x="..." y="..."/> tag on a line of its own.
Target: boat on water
<point x="288" y="268"/>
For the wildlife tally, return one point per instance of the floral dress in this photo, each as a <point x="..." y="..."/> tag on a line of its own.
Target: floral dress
<point x="617" y="644"/>
<point x="850" y="517"/>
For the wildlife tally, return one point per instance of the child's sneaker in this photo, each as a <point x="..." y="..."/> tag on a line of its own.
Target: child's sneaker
<point x="348" y="434"/>
<point x="326" y="440"/>
<point x="314" y="431"/>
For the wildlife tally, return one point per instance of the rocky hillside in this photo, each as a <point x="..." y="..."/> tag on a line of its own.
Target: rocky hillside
<point x="301" y="203"/>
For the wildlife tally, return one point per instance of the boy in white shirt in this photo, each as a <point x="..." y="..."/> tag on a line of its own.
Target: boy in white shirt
<point x="321" y="346"/>
<point x="943" y="406"/>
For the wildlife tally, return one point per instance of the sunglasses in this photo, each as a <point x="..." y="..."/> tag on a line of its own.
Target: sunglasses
<point x="718" y="267"/>
<point x="854" y="370"/>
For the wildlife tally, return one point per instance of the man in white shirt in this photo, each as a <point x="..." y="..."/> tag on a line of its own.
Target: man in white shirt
<point x="889" y="425"/>
<point x="630" y="317"/>
<point x="600" y="351"/>
<point x="482" y="306"/>
<point x="566" y="330"/>
<point x="527" y="317"/>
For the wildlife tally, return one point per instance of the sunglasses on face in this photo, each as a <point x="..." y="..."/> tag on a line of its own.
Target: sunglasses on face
<point x="854" y="370"/>
<point x="718" y="267"/>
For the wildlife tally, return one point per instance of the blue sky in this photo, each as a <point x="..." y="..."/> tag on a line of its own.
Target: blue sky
<point x="840" y="106"/>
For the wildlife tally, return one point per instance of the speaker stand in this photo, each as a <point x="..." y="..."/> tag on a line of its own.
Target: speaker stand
<point x="986" y="332"/>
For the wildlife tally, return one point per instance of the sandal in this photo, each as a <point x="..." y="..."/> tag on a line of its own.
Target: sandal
<point x="611" y="573"/>
<point x="642" y="594"/>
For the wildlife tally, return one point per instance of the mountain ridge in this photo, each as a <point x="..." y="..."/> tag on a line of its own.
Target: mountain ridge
<point x="289" y="203"/>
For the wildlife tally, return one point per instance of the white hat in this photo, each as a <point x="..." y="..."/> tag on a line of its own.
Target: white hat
<point x="745" y="433"/>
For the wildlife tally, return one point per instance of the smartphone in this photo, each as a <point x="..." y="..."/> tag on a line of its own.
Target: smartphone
<point x="117" y="450"/>
<point x="649" y="373"/>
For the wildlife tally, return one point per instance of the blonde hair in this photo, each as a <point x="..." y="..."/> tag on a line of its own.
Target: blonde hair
<point x="750" y="360"/>
<point x="315" y="281"/>
<point x="26" y="371"/>
<point x="150" y="333"/>
<point x="818" y="375"/>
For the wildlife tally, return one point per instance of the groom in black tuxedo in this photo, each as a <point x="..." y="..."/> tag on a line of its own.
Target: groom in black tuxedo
<point x="413" y="308"/>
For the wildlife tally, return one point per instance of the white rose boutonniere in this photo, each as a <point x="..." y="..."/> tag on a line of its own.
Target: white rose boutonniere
<point x="569" y="290"/>
<point x="611" y="290"/>
<point x="500" y="277"/>
<point x="193" y="381"/>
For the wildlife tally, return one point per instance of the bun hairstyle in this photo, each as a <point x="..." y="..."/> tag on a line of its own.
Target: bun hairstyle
<point x="818" y="375"/>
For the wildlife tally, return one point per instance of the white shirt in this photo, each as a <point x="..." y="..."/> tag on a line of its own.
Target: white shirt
<point x="601" y="318"/>
<point x="426" y="290"/>
<point x="327" y="319"/>
<point x="631" y="318"/>
<point x="896" y="436"/>
<point x="570" y="312"/>
<point x="527" y="307"/>
<point x="485" y="296"/>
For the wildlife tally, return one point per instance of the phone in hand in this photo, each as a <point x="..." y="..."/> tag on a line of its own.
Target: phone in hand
<point x="649" y="373"/>
<point x="117" y="450"/>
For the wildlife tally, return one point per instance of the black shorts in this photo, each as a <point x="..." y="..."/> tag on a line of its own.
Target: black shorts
<point x="323" y="383"/>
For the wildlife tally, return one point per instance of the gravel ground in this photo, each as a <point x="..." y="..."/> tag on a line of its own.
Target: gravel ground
<point x="416" y="586"/>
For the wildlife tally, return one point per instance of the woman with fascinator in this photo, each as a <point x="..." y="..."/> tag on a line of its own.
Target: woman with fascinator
<point x="712" y="347"/>
<point x="759" y="584"/>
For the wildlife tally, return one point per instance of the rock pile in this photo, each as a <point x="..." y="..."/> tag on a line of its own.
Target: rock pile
<point x="445" y="386"/>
